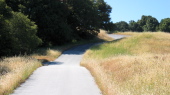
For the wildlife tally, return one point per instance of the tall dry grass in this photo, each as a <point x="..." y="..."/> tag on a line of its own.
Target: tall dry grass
<point x="47" y="55"/>
<point x="103" y="35"/>
<point x="140" y="67"/>
<point x="20" y="68"/>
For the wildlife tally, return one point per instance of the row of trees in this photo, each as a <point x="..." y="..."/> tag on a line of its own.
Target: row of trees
<point x="27" y="24"/>
<point x="146" y="23"/>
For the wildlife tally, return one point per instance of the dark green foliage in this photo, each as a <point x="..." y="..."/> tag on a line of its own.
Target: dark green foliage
<point x="134" y="26"/>
<point x="84" y="19"/>
<point x="61" y="22"/>
<point x="51" y="18"/>
<point x="5" y="39"/>
<point x="14" y="4"/>
<point x="17" y="32"/>
<point x="19" y="36"/>
<point x="122" y="26"/>
<point x="5" y="13"/>
<point x="148" y="23"/>
<point x="104" y="11"/>
<point x="24" y="33"/>
<point x="110" y="27"/>
<point x="165" y="25"/>
<point x="58" y="21"/>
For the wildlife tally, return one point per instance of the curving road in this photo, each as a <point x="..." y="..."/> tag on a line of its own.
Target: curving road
<point x="64" y="76"/>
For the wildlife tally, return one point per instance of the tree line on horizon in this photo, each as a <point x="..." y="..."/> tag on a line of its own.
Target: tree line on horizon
<point x="146" y="23"/>
<point x="28" y="24"/>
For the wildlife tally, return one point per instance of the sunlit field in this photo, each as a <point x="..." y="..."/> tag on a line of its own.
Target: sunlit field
<point x="137" y="65"/>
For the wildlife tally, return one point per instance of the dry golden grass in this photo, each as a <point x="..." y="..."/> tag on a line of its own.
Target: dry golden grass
<point x="50" y="54"/>
<point x="141" y="67"/>
<point x="103" y="35"/>
<point x="20" y="69"/>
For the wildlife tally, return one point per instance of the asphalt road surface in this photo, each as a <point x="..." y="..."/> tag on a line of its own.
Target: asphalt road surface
<point x="64" y="76"/>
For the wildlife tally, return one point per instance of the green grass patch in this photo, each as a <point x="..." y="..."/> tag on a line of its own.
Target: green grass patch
<point x="109" y="50"/>
<point x="125" y="46"/>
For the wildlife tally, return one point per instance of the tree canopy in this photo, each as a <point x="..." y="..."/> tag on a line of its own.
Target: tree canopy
<point x="50" y="22"/>
<point x="17" y="32"/>
<point x="165" y="25"/>
<point x="27" y="24"/>
<point x="122" y="26"/>
<point x="146" y="23"/>
<point x="61" y="22"/>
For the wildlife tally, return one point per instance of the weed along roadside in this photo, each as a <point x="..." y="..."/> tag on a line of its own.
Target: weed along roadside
<point x="137" y="65"/>
<point x="15" y="70"/>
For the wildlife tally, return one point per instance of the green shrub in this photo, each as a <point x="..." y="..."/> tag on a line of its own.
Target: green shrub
<point x="18" y="35"/>
<point x="23" y="33"/>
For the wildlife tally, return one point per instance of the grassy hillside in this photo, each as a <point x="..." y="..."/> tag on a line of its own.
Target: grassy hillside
<point x="137" y="65"/>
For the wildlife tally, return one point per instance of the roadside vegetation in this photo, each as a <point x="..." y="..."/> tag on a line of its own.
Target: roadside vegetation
<point x="15" y="70"/>
<point x="51" y="53"/>
<point x="137" y="65"/>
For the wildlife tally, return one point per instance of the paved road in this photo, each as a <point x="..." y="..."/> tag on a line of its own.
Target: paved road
<point x="64" y="76"/>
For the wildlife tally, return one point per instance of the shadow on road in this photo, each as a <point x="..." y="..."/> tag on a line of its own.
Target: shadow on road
<point x="52" y="63"/>
<point x="78" y="50"/>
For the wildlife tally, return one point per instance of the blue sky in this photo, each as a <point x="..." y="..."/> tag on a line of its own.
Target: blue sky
<point x="126" y="10"/>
